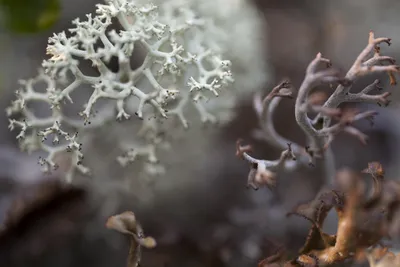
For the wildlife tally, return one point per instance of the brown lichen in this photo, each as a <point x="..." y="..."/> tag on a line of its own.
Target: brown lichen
<point x="362" y="221"/>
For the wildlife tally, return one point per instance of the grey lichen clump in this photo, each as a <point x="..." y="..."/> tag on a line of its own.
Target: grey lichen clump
<point x="182" y="67"/>
<point x="319" y="115"/>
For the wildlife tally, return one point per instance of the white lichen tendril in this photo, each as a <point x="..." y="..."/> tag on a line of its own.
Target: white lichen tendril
<point x="170" y="54"/>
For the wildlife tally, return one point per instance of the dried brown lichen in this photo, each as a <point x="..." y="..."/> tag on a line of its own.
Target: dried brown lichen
<point x="126" y="223"/>
<point x="362" y="220"/>
<point x="381" y="257"/>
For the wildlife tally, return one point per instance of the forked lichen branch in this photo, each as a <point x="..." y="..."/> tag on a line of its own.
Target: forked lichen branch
<point x="320" y="118"/>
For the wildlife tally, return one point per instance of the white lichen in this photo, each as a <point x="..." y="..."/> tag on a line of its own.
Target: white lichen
<point x="183" y="71"/>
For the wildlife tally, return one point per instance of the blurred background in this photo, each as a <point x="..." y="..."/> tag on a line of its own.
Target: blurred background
<point x="212" y="220"/>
